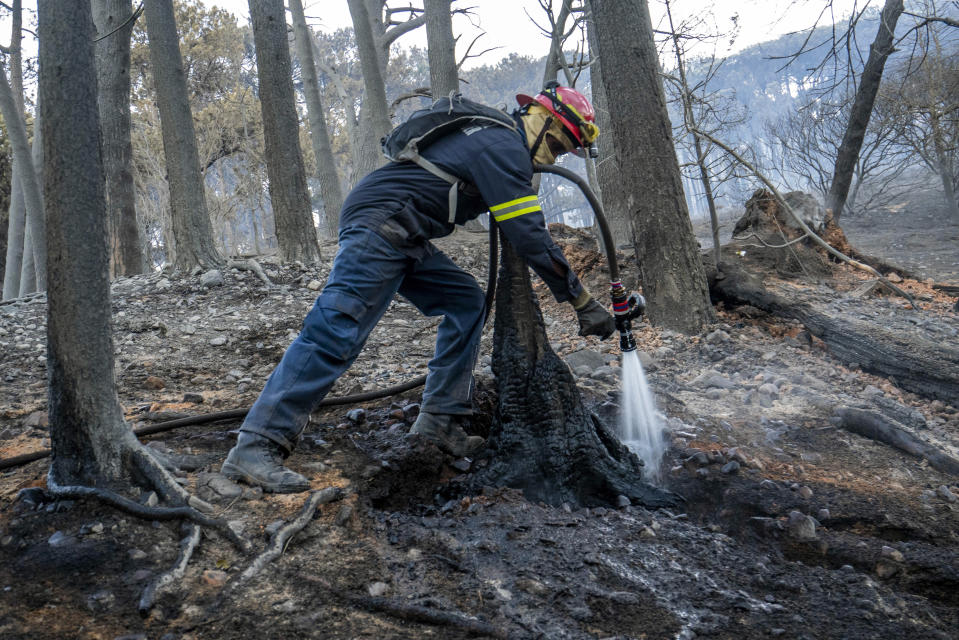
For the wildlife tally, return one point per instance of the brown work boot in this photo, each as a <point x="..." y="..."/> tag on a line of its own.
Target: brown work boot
<point x="257" y="461"/>
<point x="443" y="430"/>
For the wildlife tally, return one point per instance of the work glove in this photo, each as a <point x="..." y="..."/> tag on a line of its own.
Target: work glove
<point x="594" y="320"/>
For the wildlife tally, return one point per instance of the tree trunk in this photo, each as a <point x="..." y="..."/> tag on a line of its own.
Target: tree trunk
<point x="543" y="440"/>
<point x="322" y="150"/>
<point x="87" y="430"/>
<point x="944" y="166"/>
<point x="28" y="274"/>
<point x="15" y="236"/>
<point x="192" y="231"/>
<point x="289" y="194"/>
<point x="442" y="48"/>
<point x="861" y="111"/>
<point x="672" y="273"/>
<point x="113" y="92"/>
<point x="374" y="117"/>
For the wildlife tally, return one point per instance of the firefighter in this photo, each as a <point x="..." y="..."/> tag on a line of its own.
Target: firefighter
<point x="386" y="226"/>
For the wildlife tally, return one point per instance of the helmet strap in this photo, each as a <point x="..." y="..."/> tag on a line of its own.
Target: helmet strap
<point x="539" y="138"/>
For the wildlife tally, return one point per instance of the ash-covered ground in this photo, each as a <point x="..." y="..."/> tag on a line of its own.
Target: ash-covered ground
<point x="792" y="527"/>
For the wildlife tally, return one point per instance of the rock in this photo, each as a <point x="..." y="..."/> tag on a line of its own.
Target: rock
<point x="886" y="569"/>
<point x="213" y="578"/>
<point x="698" y="459"/>
<point x="647" y="533"/>
<point x="533" y="587"/>
<point x="137" y="554"/>
<point x="801" y="526"/>
<point x="823" y="515"/>
<point x="871" y="392"/>
<point x="603" y="373"/>
<point x="717" y="337"/>
<point x="891" y="553"/>
<point x="100" y="601"/>
<point x="314" y="285"/>
<point x="153" y="382"/>
<point x="462" y="465"/>
<point x="188" y="329"/>
<point x="622" y="501"/>
<point x="712" y="379"/>
<point x="397" y="414"/>
<point x="212" y="278"/>
<point x="356" y="416"/>
<point x="947" y="495"/>
<point x="60" y="539"/>
<point x="218" y="341"/>
<point x="715" y="394"/>
<point x="730" y="467"/>
<point x="215" y="487"/>
<point x="805" y="492"/>
<point x="287" y="606"/>
<point x="586" y="358"/>
<point x="411" y="411"/>
<point x="582" y="372"/>
<point x="892" y="276"/>
<point x="195" y="398"/>
<point x="378" y="589"/>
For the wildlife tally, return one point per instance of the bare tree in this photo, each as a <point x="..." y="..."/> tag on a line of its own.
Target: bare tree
<point x="16" y="223"/>
<point x="319" y="135"/>
<point x="114" y="22"/>
<point x="374" y="116"/>
<point x="192" y="231"/>
<point x="293" y="214"/>
<point x="869" y="81"/>
<point x="444" y="79"/>
<point x="671" y="270"/>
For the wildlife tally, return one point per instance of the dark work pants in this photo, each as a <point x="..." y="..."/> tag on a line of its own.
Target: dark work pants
<point x="367" y="272"/>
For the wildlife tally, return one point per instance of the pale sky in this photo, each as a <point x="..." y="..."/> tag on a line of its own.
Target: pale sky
<point x="508" y="26"/>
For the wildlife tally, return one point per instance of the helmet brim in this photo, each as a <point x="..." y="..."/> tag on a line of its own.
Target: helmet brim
<point x="524" y="99"/>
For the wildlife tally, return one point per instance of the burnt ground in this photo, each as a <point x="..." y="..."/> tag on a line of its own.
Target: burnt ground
<point x="814" y="532"/>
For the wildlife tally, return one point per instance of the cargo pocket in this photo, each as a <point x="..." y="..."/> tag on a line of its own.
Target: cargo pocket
<point x="335" y="322"/>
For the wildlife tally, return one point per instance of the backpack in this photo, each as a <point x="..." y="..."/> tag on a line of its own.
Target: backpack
<point x="426" y="126"/>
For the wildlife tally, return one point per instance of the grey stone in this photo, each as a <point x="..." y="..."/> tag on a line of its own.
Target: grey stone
<point x="100" y="601"/>
<point x="215" y="487"/>
<point x="892" y="554"/>
<point x="60" y="539"/>
<point x="715" y="394"/>
<point x="871" y="391"/>
<point x="137" y="554"/>
<point x="622" y="501"/>
<point x="582" y="371"/>
<point x="823" y="515"/>
<point x="712" y="379"/>
<point x="218" y="341"/>
<point x="801" y="526"/>
<point x="805" y="492"/>
<point x="378" y="589"/>
<point x="769" y="389"/>
<point x="195" y="398"/>
<point x="149" y="499"/>
<point x="356" y="416"/>
<point x="717" y="337"/>
<point x="730" y="467"/>
<point x="947" y="495"/>
<point x="585" y="358"/>
<point x="212" y="278"/>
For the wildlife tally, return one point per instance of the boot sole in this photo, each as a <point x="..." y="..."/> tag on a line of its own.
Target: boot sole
<point x="236" y="473"/>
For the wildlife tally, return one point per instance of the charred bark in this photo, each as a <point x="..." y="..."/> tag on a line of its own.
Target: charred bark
<point x="543" y="439"/>
<point x="928" y="368"/>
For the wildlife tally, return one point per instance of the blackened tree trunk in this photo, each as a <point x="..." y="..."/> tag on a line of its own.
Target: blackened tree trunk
<point x="113" y="91"/>
<point x="320" y="137"/>
<point x="375" y="117"/>
<point x="292" y="211"/>
<point x="444" y="79"/>
<point x="87" y="430"/>
<point x="192" y="231"/>
<point x="869" y="81"/>
<point x="543" y="439"/>
<point x="672" y="274"/>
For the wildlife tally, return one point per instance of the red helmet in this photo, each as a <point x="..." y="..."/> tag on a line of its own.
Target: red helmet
<point x="572" y="109"/>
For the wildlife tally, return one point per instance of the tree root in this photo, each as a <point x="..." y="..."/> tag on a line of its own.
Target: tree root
<point x="251" y="265"/>
<point x="876" y="427"/>
<point x="187" y="546"/>
<point x="149" y="513"/>
<point x="282" y="536"/>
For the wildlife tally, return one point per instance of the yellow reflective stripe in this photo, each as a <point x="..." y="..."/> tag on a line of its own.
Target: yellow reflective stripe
<point x="512" y="203"/>
<point x="514" y="214"/>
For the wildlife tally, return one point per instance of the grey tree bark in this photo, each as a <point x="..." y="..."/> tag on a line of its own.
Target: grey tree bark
<point x="375" y="119"/>
<point x="28" y="179"/>
<point x="28" y="274"/>
<point x="319" y="135"/>
<point x="292" y="212"/>
<point x="869" y="82"/>
<point x="17" y="212"/>
<point x="87" y="430"/>
<point x="113" y="92"/>
<point x="444" y="79"/>
<point x="672" y="274"/>
<point x="192" y="230"/>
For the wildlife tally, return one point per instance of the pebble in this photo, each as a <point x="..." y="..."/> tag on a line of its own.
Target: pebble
<point x="823" y="515"/>
<point x="378" y="589"/>
<point x="59" y="539"/>
<point x="623" y="501"/>
<point x="195" y="398"/>
<point x="356" y="416"/>
<point x="892" y="554"/>
<point x="717" y="337"/>
<point x="212" y="278"/>
<point x="730" y="467"/>
<point x="805" y="493"/>
<point x="137" y="554"/>
<point x="801" y="526"/>
<point x="314" y="285"/>
<point x="218" y="341"/>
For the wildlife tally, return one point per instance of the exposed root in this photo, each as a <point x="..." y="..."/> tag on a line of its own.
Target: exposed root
<point x="876" y="427"/>
<point x="149" y="513"/>
<point x="164" y="484"/>
<point x="187" y="546"/>
<point x="251" y="265"/>
<point x="416" y="613"/>
<point x="282" y="536"/>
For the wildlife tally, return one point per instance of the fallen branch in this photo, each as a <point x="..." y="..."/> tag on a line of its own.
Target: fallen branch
<point x="187" y="546"/>
<point x="815" y="238"/>
<point x="416" y="613"/>
<point x="874" y="426"/>
<point x="282" y="536"/>
<point x="144" y="512"/>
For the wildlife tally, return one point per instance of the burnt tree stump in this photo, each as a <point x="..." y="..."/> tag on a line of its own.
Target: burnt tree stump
<point x="543" y="439"/>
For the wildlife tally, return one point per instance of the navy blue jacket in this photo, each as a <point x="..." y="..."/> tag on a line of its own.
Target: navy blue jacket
<point x="409" y="205"/>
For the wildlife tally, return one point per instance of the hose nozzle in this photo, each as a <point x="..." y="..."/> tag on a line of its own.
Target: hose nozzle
<point x="626" y="307"/>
